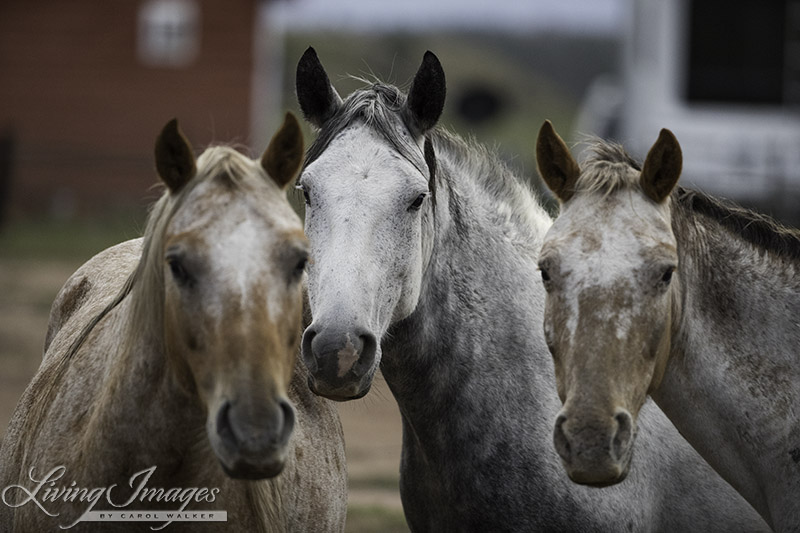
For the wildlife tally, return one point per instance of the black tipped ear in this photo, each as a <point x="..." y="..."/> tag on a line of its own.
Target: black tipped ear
<point x="317" y="97"/>
<point x="662" y="167"/>
<point x="174" y="157"/>
<point x="556" y="165"/>
<point x="427" y="94"/>
<point x="284" y="155"/>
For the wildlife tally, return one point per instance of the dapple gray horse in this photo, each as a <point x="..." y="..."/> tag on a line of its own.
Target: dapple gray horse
<point x="423" y="262"/>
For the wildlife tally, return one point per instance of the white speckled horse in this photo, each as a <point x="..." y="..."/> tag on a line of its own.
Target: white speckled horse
<point x="424" y="251"/>
<point x="181" y="376"/>
<point x="669" y="292"/>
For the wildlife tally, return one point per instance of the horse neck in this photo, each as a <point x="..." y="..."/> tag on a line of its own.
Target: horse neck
<point x="473" y="338"/>
<point x="731" y="383"/>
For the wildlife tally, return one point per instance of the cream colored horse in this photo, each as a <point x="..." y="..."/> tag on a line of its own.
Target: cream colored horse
<point x="175" y="389"/>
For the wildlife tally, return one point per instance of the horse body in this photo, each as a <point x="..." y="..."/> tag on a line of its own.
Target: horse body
<point x="676" y="295"/>
<point x="424" y="251"/>
<point x="112" y="397"/>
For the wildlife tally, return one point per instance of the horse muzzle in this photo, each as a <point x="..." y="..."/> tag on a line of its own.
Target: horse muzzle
<point x="598" y="451"/>
<point x="252" y="442"/>
<point x="341" y="362"/>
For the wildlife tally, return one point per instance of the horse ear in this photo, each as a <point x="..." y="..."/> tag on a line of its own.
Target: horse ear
<point x="318" y="99"/>
<point x="426" y="97"/>
<point x="556" y="165"/>
<point x="174" y="157"/>
<point x="283" y="156"/>
<point x="662" y="167"/>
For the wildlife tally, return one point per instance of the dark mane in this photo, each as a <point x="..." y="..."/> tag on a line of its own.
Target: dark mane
<point x="757" y="229"/>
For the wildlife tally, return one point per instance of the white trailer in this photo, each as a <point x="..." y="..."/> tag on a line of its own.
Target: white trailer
<point x="724" y="76"/>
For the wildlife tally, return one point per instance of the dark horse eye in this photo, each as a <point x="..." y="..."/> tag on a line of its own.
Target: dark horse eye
<point x="667" y="276"/>
<point x="300" y="267"/>
<point x="179" y="273"/>
<point x="305" y="193"/>
<point x="545" y="275"/>
<point x="417" y="202"/>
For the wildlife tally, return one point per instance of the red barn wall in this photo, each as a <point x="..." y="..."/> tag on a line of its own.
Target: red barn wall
<point x="83" y="110"/>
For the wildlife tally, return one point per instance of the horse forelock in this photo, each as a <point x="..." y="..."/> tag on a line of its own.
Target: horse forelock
<point x="381" y="107"/>
<point x="606" y="168"/>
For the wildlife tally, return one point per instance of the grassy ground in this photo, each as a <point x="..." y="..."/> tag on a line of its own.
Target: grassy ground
<point x="376" y="518"/>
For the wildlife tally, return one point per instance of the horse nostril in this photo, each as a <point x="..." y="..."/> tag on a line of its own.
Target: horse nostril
<point x="369" y="347"/>
<point x="288" y="421"/>
<point x="224" y="429"/>
<point x="624" y="433"/>
<point x="560" y="439"/>
<point x="307" y="350"/>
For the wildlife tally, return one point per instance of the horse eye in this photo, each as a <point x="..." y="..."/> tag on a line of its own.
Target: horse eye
<point x="300" y="267"/>
<point x="545" y="275"/>
<point x="667" y="276"/>
<point x="417" y="202"/>
<point x="305" y="193"/>
<point x="179" y="272"/>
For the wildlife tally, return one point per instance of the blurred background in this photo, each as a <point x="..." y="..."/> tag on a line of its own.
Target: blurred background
<point x="86" y="85"/>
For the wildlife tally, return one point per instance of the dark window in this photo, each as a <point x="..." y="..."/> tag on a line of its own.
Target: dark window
<point x="737" y="51"/>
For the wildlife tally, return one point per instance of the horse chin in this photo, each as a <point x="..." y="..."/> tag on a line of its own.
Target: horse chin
<point x="265" y="466"/>
<point x="605" y="477"/>
<point x="248" y="453"/>
<point x="341" y="393"/>
<point x="254" y="473"/>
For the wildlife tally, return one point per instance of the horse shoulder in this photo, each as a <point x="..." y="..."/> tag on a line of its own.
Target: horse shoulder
<point x="84" y="294"/>
<point x="91" y="287"/>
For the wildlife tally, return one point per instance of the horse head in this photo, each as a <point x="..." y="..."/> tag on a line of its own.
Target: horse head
<point x="369" y="188"/>
<point x="230" y="254"/>
<point x="609" y="266"/>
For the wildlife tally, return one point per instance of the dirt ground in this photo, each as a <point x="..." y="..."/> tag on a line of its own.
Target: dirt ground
<point x="371" y="425"/>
